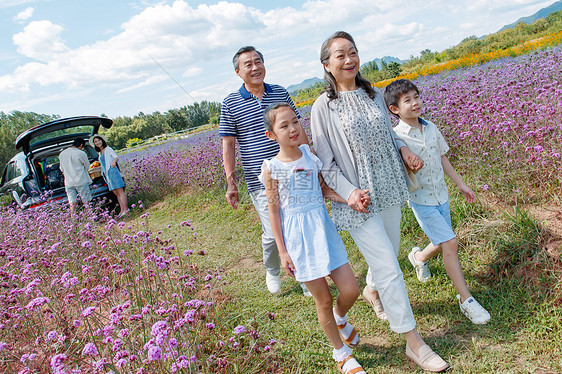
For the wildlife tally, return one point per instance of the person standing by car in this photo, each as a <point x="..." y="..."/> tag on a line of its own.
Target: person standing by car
<point x="110" y="172"/>
<point x="74" y="165"/>
<point x="241" y="120"/>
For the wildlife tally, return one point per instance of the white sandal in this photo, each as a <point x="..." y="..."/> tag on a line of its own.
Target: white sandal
<point x="350" y="366"/>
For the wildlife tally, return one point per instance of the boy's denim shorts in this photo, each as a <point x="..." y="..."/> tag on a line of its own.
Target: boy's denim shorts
<point x="435" y="221"/>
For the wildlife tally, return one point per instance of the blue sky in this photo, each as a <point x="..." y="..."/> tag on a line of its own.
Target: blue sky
<point x="119" y="58"/>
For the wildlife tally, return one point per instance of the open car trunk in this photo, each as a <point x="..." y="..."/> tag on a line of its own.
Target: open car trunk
<point x="42" y="145"/>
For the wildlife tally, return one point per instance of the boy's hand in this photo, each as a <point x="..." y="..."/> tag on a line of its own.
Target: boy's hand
<point x="412" y="160"/>
<point x="468" y="193"/>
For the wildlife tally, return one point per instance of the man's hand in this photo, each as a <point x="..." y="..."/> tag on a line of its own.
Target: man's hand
<point x="232" y="195"/>
<point x="228" y="158"/>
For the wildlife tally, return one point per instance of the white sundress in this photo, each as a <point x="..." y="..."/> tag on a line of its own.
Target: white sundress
<point x="309" y="233"/>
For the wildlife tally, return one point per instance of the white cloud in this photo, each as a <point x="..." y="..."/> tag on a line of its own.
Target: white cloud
<point x="467" y="25"/>
<point x="147" y="82"/>
<point x="40" y="40"/>
<point x="195" y="44"/>
<point x="390" y="32"/>
<point x="13" y="3"/>
<point x="23" y="15"/>
<point x="486" y="7"/>
<point x="193" y="71"/>
<point x="177" y="36"/>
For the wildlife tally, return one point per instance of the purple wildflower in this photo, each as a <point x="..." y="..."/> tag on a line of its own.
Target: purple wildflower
<point x="154" y="353"/>
<point x="90" y="350"/>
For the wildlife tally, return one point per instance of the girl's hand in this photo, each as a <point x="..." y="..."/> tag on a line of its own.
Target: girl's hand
<point x="113" y="164"/>
<point x="365" y="200"/>
<point x="287" y="264"/>
<point x="357" y="199"/>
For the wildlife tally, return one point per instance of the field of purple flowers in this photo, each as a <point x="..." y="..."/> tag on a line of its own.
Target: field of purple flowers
<point x="98" y="296"/>
<point x="503" y="122"/>
<point x="186" y="164"/>
<point x="80" y="295"/>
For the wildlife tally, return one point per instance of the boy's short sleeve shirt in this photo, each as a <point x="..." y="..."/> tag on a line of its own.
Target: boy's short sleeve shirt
<point x="430" y="145"/>
<point x="242" y="117"/>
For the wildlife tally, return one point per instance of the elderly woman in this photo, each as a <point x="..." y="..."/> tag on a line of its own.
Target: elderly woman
<point x="364" y="163"/>
<point x="110" y="172"/>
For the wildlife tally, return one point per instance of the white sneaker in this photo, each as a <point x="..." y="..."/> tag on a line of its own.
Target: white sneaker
<point x="422" y="270"/>
<point x="273" y="282"/>
<point x="305" y="290"/>
<point x="474" y="311"/>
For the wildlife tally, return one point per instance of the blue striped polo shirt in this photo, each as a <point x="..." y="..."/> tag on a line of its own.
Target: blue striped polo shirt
<point x="242" y="117"/>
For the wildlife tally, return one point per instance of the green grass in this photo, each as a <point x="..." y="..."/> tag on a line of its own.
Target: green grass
<point x="505" y="267"/>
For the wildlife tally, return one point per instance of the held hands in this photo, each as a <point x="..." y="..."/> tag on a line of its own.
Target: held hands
<point x="287" y="264"/>
<point x="359" y="200"/>
<point x="412" y="160"/>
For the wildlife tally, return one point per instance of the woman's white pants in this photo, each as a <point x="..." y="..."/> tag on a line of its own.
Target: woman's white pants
<point x="378" y="239"/>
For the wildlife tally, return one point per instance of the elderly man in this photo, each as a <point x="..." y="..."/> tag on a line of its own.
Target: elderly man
<point x="242" y="119"/>
<point x="74" y="165"/>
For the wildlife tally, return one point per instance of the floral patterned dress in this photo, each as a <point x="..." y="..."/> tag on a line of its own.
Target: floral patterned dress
<point x="378" y="164"/>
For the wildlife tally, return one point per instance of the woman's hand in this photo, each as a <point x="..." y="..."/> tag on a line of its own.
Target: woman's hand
<point x="113" y="164"/>
<point x="359" y="200"/>
<point x="412" y="160"/>
<point x="287" y="264"/>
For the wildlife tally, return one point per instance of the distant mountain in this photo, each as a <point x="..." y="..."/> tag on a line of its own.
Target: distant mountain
<point x="303" y="85"/>
<point x="386" y="59"/>
<point x="292" y="89"/>
<point x="538" y="15"/>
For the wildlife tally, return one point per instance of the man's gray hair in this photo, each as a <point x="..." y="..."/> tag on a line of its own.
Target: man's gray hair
<point x="245" y="49"/>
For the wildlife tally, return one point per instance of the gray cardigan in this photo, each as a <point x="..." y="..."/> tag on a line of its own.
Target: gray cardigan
<point x="331" y="146"/>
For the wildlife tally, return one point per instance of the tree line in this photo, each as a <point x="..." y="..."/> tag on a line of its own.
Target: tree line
<point x="142" y="126"/>
<point x="504" y="39"/>
<point x="13" y="124"/>
<point x="145" y="126"/>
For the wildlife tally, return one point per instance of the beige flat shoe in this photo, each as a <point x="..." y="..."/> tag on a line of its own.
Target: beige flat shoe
<point x="376" y="304"/>
<point x="427" y="359"/>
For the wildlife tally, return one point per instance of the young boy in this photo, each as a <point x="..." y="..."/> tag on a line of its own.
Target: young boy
<point x="430" y="202"/>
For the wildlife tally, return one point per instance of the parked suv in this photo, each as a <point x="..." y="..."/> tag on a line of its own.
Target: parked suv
<point x="32" y="177"/>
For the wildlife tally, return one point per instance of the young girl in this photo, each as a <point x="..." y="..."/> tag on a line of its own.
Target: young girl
<point x="308" y="243"/>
